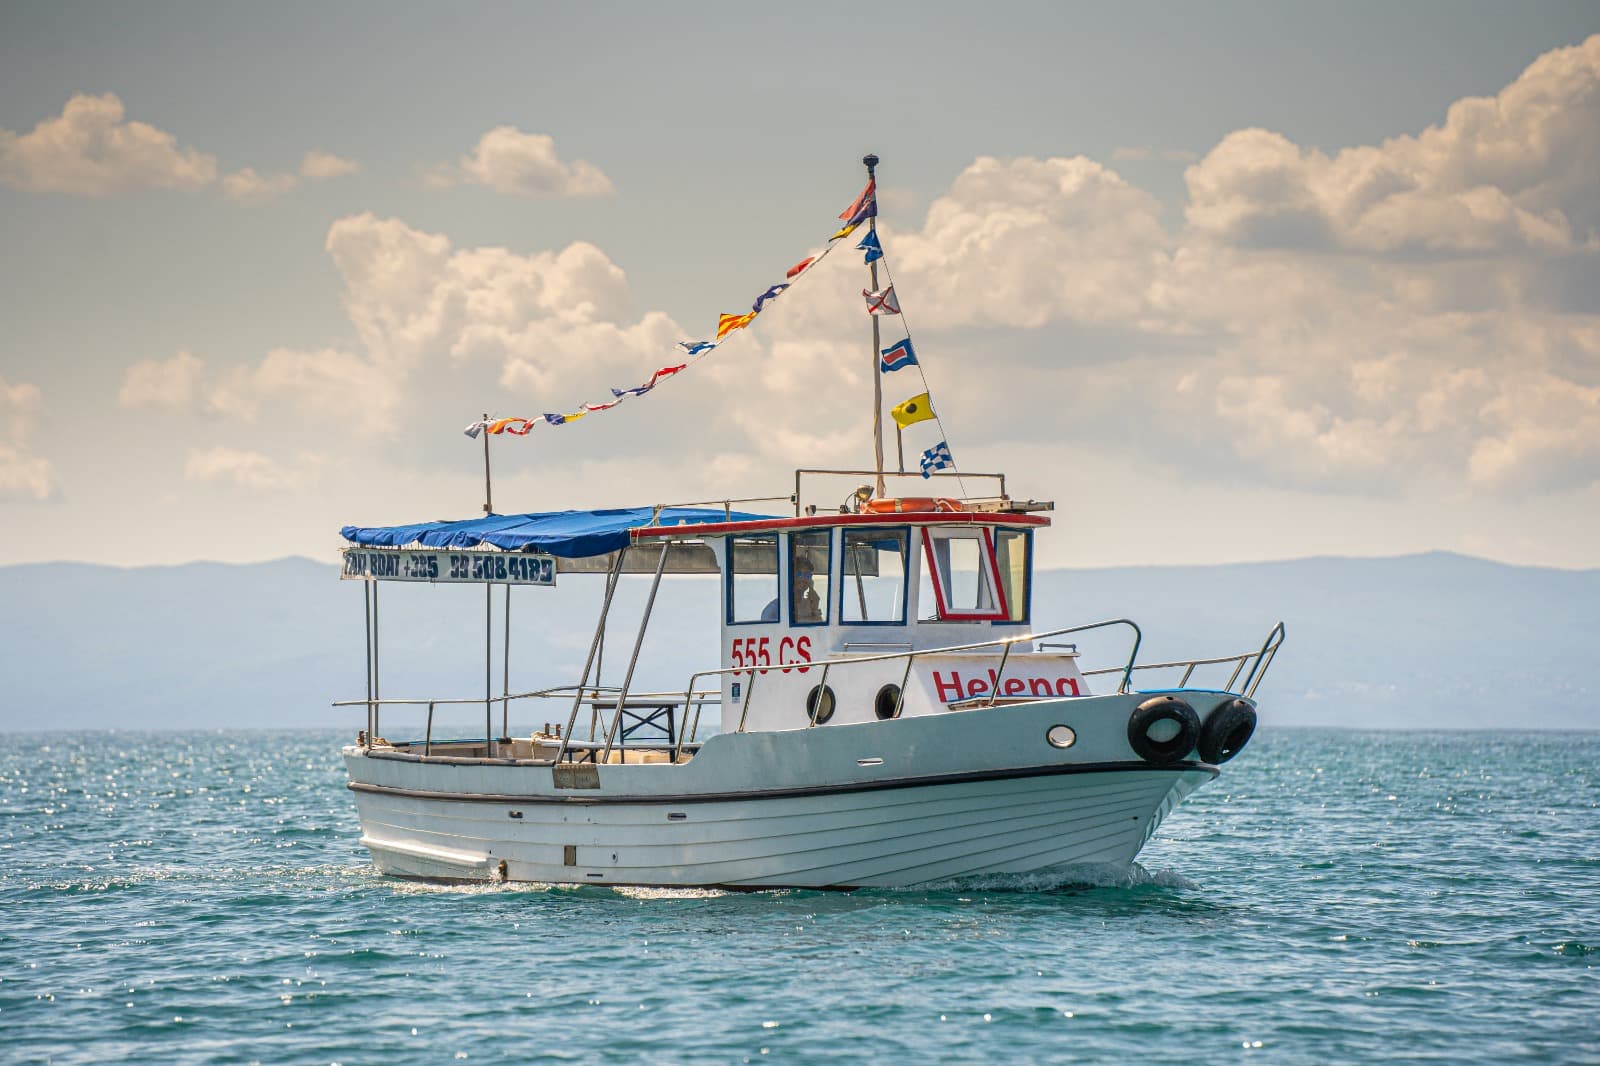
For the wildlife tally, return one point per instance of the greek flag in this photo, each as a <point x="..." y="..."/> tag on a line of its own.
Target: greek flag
<point x="937" y="458"/>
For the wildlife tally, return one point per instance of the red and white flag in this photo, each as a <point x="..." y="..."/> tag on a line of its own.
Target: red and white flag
<point x="881" y="302"/>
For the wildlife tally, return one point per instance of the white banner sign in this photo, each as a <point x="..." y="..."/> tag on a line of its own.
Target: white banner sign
<point x="498" y="568"/>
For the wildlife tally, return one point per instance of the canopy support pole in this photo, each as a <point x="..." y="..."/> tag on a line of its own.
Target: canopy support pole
<point x="638" y="643"/>
<point x="605" y="609"/>
<point x="366" y="611"/>
<point x="488" y="671"/>
<point x="377" y="687"/>
<point x="505" y="662"/>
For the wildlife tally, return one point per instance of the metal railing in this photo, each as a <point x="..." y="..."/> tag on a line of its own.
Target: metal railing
<point x="910" y="658"/>
<point x="1258" y="661"/>
<point x="558" y="692"/>
<point x="693" y="700"/>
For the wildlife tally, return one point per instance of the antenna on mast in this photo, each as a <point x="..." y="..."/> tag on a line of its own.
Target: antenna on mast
<point x="871" y="162"/>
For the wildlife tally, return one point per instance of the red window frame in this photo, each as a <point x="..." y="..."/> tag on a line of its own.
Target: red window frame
<point x="1002" y="611"/>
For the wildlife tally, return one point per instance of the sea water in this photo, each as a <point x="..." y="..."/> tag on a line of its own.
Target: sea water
<point x="1332" y="897"/>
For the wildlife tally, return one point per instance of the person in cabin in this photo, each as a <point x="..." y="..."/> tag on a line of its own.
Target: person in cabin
<point x="807" y="604"/>
<point x="803" y="594"/>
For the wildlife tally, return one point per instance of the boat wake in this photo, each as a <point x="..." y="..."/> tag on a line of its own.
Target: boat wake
<point x="1061" y="878"/>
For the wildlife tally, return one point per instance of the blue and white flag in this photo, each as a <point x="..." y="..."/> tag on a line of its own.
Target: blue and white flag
<point x="937" y="458"/>
<point x="897" y="356"/>
<point x="696" y="347"/>
<point x="770" y="294"/>
<point x="870" y="245"/>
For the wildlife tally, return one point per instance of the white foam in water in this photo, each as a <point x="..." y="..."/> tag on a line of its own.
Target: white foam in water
<point x="1077" y="875"/>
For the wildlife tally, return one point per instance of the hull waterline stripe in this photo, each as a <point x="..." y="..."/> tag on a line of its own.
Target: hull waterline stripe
<point x="784" y="793"/>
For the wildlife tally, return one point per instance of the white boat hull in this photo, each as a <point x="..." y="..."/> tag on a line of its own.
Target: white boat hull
<point x="825" y="810"/>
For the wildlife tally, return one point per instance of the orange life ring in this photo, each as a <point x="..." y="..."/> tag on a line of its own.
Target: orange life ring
<point x="911" y="505"/>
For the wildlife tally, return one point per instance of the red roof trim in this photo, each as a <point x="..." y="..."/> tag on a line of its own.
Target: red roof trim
<point x="920" y="518"/>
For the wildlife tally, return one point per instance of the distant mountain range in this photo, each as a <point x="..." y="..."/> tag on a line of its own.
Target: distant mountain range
<point x="1420" y="641"/>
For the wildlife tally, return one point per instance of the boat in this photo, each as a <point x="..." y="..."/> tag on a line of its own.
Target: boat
<point x="881" y="712"/>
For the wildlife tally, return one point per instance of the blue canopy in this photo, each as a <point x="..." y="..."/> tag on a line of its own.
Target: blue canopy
<point x="569" y="534"/>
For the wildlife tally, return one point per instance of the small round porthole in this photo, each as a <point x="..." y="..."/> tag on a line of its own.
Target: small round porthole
<point x="819" y="704"/>
<point x="886" y="704"/>
<point x="1061" y="736"/>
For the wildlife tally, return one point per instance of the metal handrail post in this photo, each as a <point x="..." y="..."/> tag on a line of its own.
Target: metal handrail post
<point x="905" y="678"/>
<point x="688" y="693"/>
<point x="1001" y="673"/>
<point x="638" y="644"/>
<point x="1271" y="635"/>
<point x="427" y="738"/>
<point x="1258" y="672"/>
<point x="821" y="691"/>
<point x="588" y="664"/>
<point x="1127" y="671"/>
<point x="749" y="691"/>
<point x="1237" y="667"/>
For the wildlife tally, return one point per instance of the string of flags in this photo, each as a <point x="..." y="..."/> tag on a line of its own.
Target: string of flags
<point x="863" y="207"/>
<point x="880" y="302"/>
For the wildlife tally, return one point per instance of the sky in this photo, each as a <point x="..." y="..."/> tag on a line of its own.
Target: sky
<point x="1226" y="283"/>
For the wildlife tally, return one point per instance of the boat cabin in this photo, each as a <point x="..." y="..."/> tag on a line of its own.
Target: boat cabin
<point x="870" y="588"/>
<point x="888" y="607"/>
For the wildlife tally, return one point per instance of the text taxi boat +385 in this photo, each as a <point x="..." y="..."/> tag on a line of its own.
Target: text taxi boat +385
<point x="882" y="712"/>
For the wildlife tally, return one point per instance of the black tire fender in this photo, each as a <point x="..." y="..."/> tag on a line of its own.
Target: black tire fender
<point x="1227" y="730"/>
<point x="1154" y="711"/>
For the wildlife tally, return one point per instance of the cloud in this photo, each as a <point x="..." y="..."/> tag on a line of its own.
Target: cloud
<point x="1516" y="171"/>
<point x="1022" y="242"/>
<point x="1262" y="335"/>
<point x="329" y="385"/>
<point x="23" y="474"/>
<point x="249" y="187"/>
<point x="171" y="384"/>
<point x="510" y="161"/>
<point x="321" y="166"/>
<point x="91" y="150"/>
<point x="247" y="469"/>
<point x="538" y="330"/>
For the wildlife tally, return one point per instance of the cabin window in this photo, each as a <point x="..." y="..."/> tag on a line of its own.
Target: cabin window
<point x="961" y="565"/>
<point x="810" y="566"/>
<point x="753" y="578"/>
<point x="1013" y="550"/>
<point x="874" y="588"/>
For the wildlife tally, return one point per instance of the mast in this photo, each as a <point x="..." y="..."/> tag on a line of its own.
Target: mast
<point x="871" y="162"/>
<point x="488" y="492"/>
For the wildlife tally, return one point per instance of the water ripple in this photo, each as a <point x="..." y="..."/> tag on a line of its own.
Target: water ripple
<point x="1334" y="896"/>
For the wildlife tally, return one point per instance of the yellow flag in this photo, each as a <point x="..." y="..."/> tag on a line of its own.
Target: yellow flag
<point x="917" y="409"/>
<point x="845" y="232"/>
<point x="728" y="323"/>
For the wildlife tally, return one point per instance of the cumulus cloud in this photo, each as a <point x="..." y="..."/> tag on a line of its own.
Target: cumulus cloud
<point x="538" y="326"/>
<point x="247" y="186"/>
<point x="171" y="384"/>
<point x="327" y="384"/>
<point x="510" y="161"/>
<point x="1280" y="327"/>
<point x="247" y="469"/>
<point x="321" y="166"/>
<point x="1022" y="242"/>
<point x="1508" y="172"/>
<point x="23" y="474"/>
<point x="90" y="149"/>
